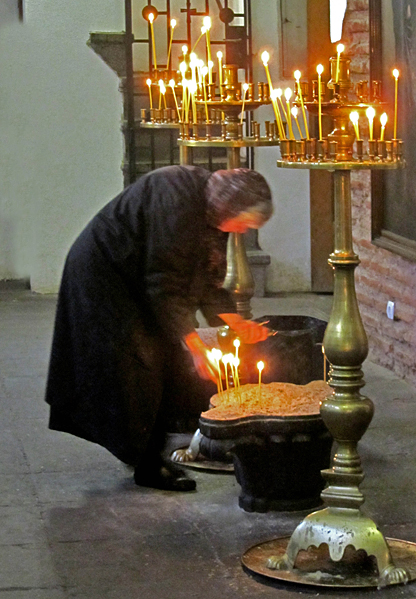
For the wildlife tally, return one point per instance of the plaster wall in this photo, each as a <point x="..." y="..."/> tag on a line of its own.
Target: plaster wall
<point x="286" y="237"/>
<point x="60" y="138"/>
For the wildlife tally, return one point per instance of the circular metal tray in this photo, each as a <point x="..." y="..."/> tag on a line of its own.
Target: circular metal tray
<point x="255" y="559"/>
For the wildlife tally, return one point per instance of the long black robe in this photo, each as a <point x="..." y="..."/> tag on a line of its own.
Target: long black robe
<point x="132" y="283"/>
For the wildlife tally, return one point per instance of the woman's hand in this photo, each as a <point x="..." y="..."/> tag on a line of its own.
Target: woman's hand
<point x="248" y="331"/>
<point x="199" y="352"/>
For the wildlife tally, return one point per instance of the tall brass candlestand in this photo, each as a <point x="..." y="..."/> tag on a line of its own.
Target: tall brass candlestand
<point x="239" y="279"/>
<point x="340" y="530"/>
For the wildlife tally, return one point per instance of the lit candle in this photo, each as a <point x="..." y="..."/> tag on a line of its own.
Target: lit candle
<point x="225" y="361"/>
<point x="182" y="68"/>
<point x="151" y="18"/>
<point x="204" y="72"/>
<point x="149" y="84"/>
<point x="340" y="50"/>
<point x="295" y="116"/>
<point x="245" y="88"/>
<point x="277" y="114"/>
<point x="383" y="122"/>
<point x="184" y="51"/>
<point x="207" y="25"/>
<point x="172" y="27"/>
<point x="288" y="95"/>
<point x="396" y="85"/>
<point x="265" y="59"/>
<point x="305" y="121"/>
<point x="319" y="70"/>
<point x="219" y="56"/>
<point x="371" y="113"/>
<point x="354" y="116"/>
<point x="260" y="366"/>
<point x="162" y="91"/>
<point x="172" y="85"/>
<point x="217" y="355"/>
<point x="236" y="344"/>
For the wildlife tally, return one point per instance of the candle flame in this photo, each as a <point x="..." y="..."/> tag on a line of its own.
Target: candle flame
<point x="149" y="82"/>
<point x="354" y="116"/>
<point x="210" y="64"/>
<point x="288" y="93"/>
<point x="340" y="48"/>
<point x="273" y="94"/>
<point x="217" y="353"/>
<point x="297" y="75"/>
<point x="294" y="111"/>
<point x="207" y="22"/>
<point x="236" y="342"/>
<point x="183" y="67"/>
<point x="172" y="83"/>
<point x="371" y="113"/>
<point x="265" y="58"/>
<point x="219" y="54"/>
<point x="193" y="57"/>
<point x="184" y="49"/>
<point x="383" y="119"/>
<point x="396" y="73"/>
<point x="236" y="362"/>
<point x="260" y="365"/>
<point x="279" y="92"/>
<point x="203" y="30"/>
<point x="245" y="88"/>
<point x="204" y="71"/>
<point x="151" y="17"/>
<point x="173" y="23"/>
<point x="319" y="69"/>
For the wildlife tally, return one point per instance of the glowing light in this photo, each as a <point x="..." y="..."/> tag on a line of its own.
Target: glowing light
<point x="371" y="113"/>
<point x="354" y="116"/>
<point x="383" y="122"/>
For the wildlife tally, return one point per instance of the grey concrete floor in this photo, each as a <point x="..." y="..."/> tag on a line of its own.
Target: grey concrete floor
<point x="73" y="524"/>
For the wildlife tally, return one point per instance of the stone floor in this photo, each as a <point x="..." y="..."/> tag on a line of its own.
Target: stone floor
<point x="73" y="525"/>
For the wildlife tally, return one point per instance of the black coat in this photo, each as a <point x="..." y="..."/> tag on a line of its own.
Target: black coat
<point x="132" y="283"/>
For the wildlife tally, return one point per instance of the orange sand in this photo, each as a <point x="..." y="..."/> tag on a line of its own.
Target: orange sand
<point x="277" y="399"/>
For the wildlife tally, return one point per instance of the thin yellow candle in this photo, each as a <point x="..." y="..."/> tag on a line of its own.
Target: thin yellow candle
<point x="236" y="344"/>
<point x="295" y="116"/>
<point x="396" y="86"/>
<point x="217" y="355"/>
<point x="207" y="25"/>
<point x="354" y="116"/>
<point x="324" y="357"/>
<point x="199" y="37"/>
<point x="245" y="88"/>
<point x="236" y="363"/>
<point x="288" y="95"/>
<point x="210" y="67"/>
<point x="184" y="51"/>
<point x="192" y="92"/>
<point x="219" y="56"/>
<point x="383" y="122"/>
<point x="172" y="27"/>
<point x="277" y="114"/>
<point x="305" y="121"/>
<point x="182" y="68"/>
<point x="225" y="361"/>
<point x="260" y="366"/>
<point x="204" y="72"/>
<point x="319" y="70"/>
<point x="371" y="113"/>
<point x="265" y="59"/>
<point x="172" y="85"/>
<point x="151" y="19"/>
<point x="340" y="50"/>
<point x="162" y="92"/>
<point x="149" y="84"/>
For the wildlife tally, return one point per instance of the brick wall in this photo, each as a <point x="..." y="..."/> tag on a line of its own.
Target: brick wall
<point x="382" y="275"/>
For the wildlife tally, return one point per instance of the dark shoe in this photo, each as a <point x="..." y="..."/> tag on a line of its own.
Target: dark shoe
<point x="166" y="478"/>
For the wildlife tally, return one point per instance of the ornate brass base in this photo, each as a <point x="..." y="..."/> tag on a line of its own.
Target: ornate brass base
<point x="314" y="567"/>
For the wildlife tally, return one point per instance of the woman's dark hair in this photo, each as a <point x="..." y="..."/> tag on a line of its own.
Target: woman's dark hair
<point x="230" y="192"/>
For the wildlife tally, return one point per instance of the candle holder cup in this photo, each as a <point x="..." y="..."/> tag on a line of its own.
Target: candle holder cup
<point x="310" y="149"/>
<point x="381" y="149"/>
<point x="372" y="149"/>
<point x="359" y="144"/>
<point x="285" y="149"/>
